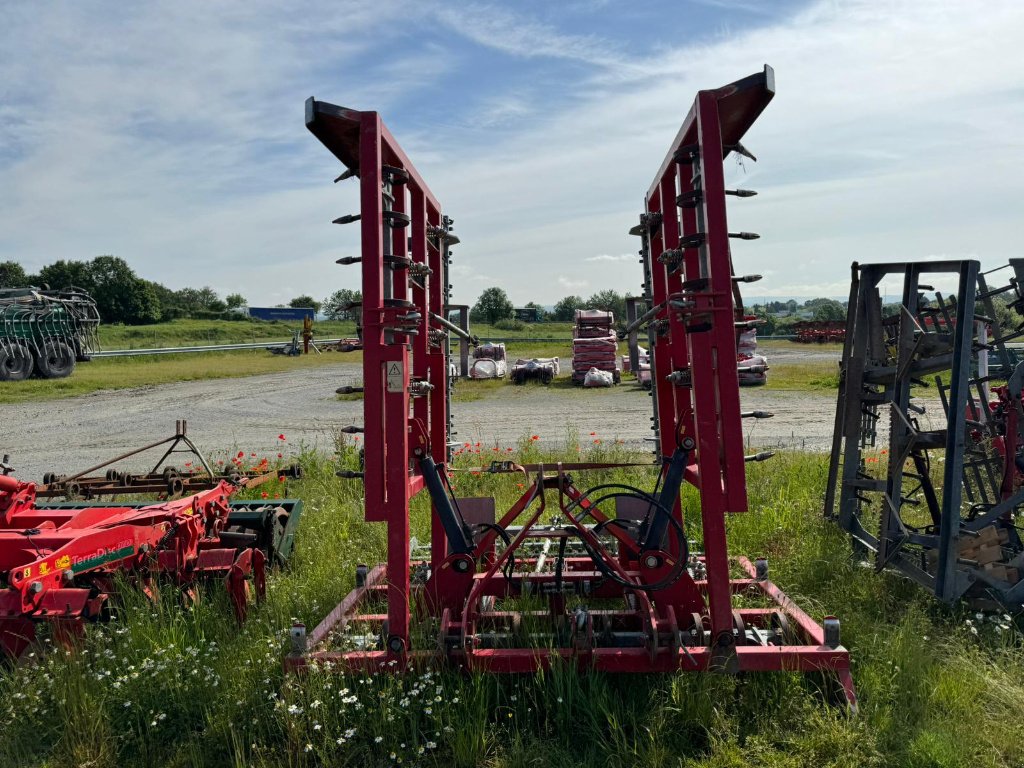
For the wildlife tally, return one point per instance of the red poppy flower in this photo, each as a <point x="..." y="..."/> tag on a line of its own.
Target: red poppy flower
<point x="535" y="437"/>
<point x="264" y="494"/>
<point x="280" y="437"/>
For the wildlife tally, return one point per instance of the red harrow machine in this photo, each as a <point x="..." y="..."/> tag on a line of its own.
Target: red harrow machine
<point x="605" y="577"/>
<point x="60" y="561"/>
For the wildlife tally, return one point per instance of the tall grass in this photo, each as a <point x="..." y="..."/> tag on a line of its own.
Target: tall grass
<point x="167" y="684"/>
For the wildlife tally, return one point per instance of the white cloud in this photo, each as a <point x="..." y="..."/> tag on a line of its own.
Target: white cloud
<point x="892" y="137"/>
<point x="172" y="135"/>
<point x="494" y="26"/>
<point x="572" y="283"/>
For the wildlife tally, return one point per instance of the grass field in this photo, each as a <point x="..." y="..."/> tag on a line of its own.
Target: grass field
<point x="197" y="332"/>
<point x="180" y="333"/>
<point x="164" y="685"/>
<point x="538" y="340"/>
<point x="128" y="372"/>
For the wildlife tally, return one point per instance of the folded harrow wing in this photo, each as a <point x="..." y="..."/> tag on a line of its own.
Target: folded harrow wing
<point x="58" y="561"/>
<point x="163" y="480"/>
<point x="602" y="578"/>
<point x="937" y="500"/>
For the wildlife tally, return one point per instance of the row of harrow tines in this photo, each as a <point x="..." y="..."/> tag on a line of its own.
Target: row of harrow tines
<point x="163" y="479"/>
<point x="404" y="311"/>
<point x="927" y="467"/>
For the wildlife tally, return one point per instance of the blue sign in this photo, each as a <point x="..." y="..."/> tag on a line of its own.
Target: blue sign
<point x="281" y="313"/>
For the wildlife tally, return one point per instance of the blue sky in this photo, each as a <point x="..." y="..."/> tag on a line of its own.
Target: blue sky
<point x="171" y="134"/>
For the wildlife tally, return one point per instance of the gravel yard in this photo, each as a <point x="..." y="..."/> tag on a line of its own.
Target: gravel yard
<point x="249" y="413"/>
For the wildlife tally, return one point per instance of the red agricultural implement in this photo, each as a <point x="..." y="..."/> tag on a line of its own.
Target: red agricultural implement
<point x="820" y="331"/>
<point x="59" y="560"/>
<point x="604" y="577"/>
<point x="58" y="565"/>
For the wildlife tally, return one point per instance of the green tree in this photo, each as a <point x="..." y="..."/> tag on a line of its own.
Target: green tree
<point x="302" y="302"/>
<point x="120" y="294"/>
<point x="566" y="308"/>
<point x="169" y="309"/>
<point x="66" y="274"/>
<point x="195" y="300"/>
<point x="541" y="314"/>
<point x="12" y="275"/>
<point x="492" y="306"/>
<point x="826" y="309"/>
<point x="336" y="305"/>
<point x="235" y="301"/>
<point x="609" y="301"/>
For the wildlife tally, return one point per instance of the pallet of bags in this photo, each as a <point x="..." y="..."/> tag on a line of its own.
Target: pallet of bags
<point x="489" y="362"/>
<point x="594" y="347"/>
<point x="753" y="367"/>
<point x="543" y="369"/>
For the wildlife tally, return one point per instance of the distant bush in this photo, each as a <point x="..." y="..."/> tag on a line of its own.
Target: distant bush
<point x="510" y="325"/>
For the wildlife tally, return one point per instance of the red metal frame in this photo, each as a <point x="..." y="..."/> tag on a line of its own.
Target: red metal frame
<point x="57" y="564"/>
<point x="672" y="620"/>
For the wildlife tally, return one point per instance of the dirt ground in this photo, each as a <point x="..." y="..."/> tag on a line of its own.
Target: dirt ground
<point x="248" y="414"/>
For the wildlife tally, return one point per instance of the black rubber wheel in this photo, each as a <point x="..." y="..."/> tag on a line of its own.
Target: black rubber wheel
<point x="56" y="360"/>
<point x="15" y="361"/>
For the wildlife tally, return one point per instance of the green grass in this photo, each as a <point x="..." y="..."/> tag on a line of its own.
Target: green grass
<point x="803" y="377"/>
<point x="166" y="685"/>
<point x="180" y="333"/>
<point x="127" y="372"/>
<point x="528" y="331"/>
<point x="199" y="332"/>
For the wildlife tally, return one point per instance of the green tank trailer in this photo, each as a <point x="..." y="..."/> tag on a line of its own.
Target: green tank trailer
<point x="45" y="332"/>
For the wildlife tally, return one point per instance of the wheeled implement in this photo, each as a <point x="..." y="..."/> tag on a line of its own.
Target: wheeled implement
<point x="45" y="332"/>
